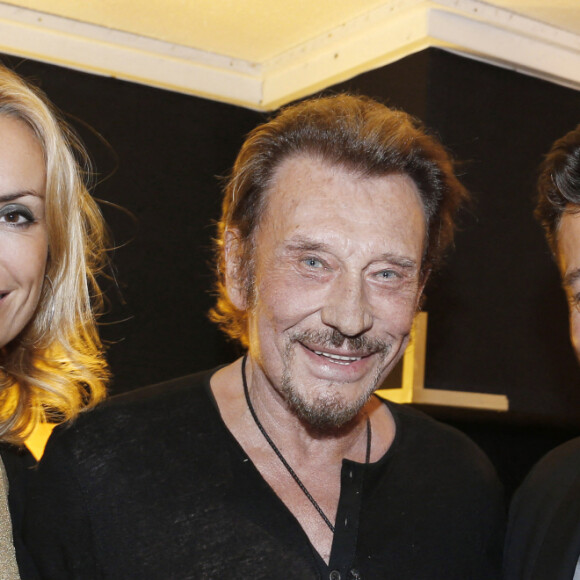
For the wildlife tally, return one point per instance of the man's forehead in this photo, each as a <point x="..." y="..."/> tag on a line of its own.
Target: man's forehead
<point x="320" y="205"/>
<point x="568" y="239"/>
<point x="295" y="171"/>
<point x="314" y="195"/>
<point x="351" y="167"/>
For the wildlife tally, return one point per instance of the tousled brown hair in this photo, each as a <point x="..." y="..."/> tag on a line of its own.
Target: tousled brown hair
<point x="559" y="184"/>
<point x="353" y="132"/>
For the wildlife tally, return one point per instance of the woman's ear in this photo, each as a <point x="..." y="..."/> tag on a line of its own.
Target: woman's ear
<point x="234" y="275"/>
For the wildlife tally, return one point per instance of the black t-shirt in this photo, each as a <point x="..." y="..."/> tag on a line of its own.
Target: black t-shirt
<point x="152" y="485"/>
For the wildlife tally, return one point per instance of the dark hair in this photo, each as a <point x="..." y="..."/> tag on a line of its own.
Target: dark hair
<point x="354" y="132"/>
<point x="559" y="184"/>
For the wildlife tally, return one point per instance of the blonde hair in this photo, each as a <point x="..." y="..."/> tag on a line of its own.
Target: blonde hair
<point x="55" y="367"/>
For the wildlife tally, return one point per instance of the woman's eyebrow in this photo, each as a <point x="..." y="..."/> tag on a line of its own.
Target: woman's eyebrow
<point x="17" y="195"/>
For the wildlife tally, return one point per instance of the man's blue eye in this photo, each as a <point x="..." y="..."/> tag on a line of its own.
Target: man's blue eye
<point x="313" y="263"/>
<point x="387" y="274"/>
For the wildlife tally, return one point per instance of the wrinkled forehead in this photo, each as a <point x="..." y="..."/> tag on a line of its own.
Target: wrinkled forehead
<point x="295" y="172"/>
<point x="354" y="219"/>
<point x="308" y="188"/>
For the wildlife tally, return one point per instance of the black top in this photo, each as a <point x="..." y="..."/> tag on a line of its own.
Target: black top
<point x="543" y="541"/>
<point x="152" y="485"/>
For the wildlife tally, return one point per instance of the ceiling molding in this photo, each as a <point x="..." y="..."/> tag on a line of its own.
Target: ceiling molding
<point x="107" y="52"/>
<point x="389" y="33"/>
<point x="507" y="39"/>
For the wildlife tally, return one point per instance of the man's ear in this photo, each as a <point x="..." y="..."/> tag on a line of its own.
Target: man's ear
<point x="425" y="273"/>
<point x="234" y="274"/>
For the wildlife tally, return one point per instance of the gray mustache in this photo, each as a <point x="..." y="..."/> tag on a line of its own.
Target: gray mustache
<point x="360" y="344"/>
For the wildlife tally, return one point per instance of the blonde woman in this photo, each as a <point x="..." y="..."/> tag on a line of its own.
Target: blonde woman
<point x="52" y="245"/>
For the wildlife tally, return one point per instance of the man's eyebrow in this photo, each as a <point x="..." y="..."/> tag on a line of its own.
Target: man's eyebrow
<point x="401" y="261"/>
<point x="300" y="244"/>
<point x="571" y="277"/>
<point x="17" y="195"/>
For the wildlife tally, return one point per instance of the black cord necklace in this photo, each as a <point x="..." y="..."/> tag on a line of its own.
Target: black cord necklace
<point x="281" y="457"/>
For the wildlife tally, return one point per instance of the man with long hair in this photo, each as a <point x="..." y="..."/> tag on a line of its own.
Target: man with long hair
<point x="284" y="463"/>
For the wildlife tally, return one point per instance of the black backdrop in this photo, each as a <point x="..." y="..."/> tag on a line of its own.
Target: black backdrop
<point x="497" y="314"/>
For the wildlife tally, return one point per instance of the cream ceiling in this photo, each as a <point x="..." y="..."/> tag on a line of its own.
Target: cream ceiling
<point x="253" y="30"/>
<point x="262" y="53"/>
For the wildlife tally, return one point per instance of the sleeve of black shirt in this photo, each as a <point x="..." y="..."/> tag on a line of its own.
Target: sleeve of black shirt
<point x="56" y="527"/>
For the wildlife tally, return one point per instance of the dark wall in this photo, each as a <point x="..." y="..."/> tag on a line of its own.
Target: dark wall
<point x="497" y="315"/>
<point x="502" y="123"/>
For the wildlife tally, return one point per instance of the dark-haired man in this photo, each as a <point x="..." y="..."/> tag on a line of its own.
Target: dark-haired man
<point x="543" y="540"/>
<point x="284" y="463"/>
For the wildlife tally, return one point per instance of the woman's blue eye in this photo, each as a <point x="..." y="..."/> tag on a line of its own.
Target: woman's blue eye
<point x="16" y="215"/>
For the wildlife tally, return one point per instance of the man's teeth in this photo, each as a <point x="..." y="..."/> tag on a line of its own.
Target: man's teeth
<point x="338" y="359"/>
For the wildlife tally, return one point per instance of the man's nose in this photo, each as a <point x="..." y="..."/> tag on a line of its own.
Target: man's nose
<point x="347" y="308"/>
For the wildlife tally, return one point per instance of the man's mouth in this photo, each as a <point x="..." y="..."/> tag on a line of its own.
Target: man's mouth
<point x="338" y="359"/>
<point x="338" y="349"/>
